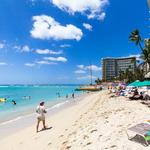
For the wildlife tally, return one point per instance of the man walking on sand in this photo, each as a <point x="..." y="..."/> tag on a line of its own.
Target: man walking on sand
<point x="40" y="110"/>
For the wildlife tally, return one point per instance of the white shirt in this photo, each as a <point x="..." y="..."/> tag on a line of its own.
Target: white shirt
<point x="40" y="110"/>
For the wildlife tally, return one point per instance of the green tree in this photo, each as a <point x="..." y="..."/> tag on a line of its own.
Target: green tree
<point x="145" y="51"/>
<point x="136" y="37"/>
<point x="98" y="81"/>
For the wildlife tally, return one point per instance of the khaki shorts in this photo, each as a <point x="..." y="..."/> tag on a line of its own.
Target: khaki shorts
<point x="41" y="118"/>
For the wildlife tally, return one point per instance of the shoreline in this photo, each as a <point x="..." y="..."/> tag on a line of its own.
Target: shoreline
<point x="97" y="122"/>
<point x="31" y="109"/>
<point x="27" y="98"/>
<point x="60" y="122"/>
<point x="29" y="118"/>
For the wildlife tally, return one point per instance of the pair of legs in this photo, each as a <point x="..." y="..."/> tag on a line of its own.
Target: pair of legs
<point x="38" y="122"/>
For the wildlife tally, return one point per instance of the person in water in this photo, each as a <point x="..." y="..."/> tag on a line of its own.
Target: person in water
<point x="67" y="96"/>
<point x="13" y="102"/>
<point x="72" y="95"/>
<point x="40" y="110"/>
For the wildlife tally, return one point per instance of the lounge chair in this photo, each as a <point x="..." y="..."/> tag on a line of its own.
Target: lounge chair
<point x="142" y="131"/>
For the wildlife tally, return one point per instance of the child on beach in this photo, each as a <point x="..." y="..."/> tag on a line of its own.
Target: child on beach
<point x="40" y="110"/>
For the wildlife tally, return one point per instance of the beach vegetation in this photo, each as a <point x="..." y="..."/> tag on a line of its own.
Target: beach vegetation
<point x="144" y="45"/>
<point x="143" y="65"/>
<point x="98" y="81"/>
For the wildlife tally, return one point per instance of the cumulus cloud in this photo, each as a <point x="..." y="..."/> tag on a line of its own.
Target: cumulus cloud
<point x="80" y="71"/>
<point x="47" y="51"/>
<point x="102" y="16"/>
<point x="29" y="64"/>
<point x="40" y="62"/>
<point x="85" y="69"/>
<point x="86" y="77"/>
<point x="87" y="26"/>
<point x="91" y="8"/>
<point x="45" y="27"/>
<point x="81" y="66"/>
<point x="43" y="62"/>
<point x="24" y="48"/>
<point x="56" y="59"/>
<point x="93" y="67"/>
<point x="137" y="56"/>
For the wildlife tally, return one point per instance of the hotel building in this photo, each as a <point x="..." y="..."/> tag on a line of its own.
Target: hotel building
<point x="111" y="67"/>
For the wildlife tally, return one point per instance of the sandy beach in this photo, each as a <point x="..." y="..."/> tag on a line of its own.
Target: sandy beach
<point x="95" y="123"/>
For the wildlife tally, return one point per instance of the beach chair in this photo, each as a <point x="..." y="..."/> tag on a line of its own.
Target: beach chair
<point x="142" y="131"/>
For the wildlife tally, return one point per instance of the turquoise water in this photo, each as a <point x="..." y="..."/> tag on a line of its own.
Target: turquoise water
<point x="28" y="97"/>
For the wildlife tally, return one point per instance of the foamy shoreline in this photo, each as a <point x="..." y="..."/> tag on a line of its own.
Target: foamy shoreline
<point x="29" y="118"/>
<point x="96" y="123"/>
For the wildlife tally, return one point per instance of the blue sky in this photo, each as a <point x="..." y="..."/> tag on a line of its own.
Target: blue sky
<point x="55" y="41"/>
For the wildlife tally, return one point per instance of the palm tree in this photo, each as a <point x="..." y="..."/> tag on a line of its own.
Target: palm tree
<point x="139" y="74"/>
<point x="146" y="53"/>
<point x="98" y="81"/>
<point x="135" y="37"/>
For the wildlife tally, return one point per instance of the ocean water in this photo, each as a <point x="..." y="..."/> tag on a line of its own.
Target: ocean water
<point x="28" y="97"/>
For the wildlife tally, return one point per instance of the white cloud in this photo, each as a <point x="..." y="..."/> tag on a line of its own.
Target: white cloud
<point x="81" y="66"/>
<point x="25" y="49"/>
<point x="47" y="51"/>
<point x="17" y="47"/>
<point x="65" y="45"/>
<point x="43" y="62"/>
<point x="3" y="64"/>
<point x="91" y="8"/>
<point x="102" y="16"/>
<point x="137" y="56"/>
<point x="80" y="71"/>
<point x="93" y="67"/>
<point x="57" y="59"/>
<point x="86" y="77"/>
<point x="87" y="26"/>
<point x="29" y="64"/>
<point x="134" y="55"/>
<point x="45" y="27"/>
<point x="2" y="45"/>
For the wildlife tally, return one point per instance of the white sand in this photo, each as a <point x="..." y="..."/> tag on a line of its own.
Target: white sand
<point x="95" y="123"/>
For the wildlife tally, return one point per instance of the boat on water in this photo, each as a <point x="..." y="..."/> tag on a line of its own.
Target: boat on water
<point x="2" y="100"/>
<point x="89" y="88"/>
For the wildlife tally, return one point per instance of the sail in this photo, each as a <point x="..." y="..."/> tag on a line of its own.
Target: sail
<point x="148" y="4"/>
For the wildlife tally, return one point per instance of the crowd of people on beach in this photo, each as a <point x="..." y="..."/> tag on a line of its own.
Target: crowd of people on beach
<point x="133" y="93"/>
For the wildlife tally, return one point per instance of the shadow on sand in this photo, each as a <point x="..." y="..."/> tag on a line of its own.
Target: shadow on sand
<point x="139" y="139"/>
<point x="48" y="128"/>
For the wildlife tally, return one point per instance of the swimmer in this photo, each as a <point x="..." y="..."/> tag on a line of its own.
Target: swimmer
<point x="13" y="102"/>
